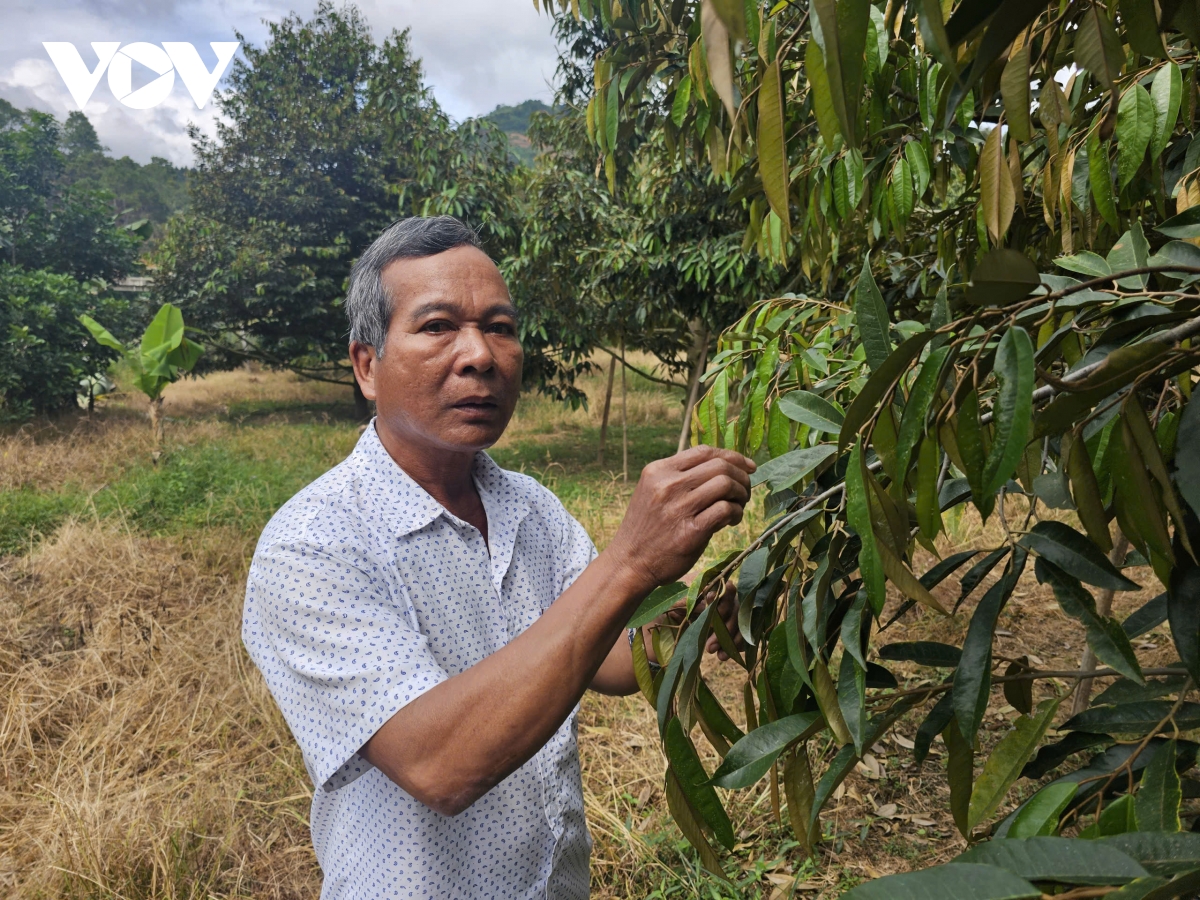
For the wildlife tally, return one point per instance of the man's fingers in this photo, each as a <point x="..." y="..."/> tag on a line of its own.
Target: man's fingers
<point x="720" y="515"/>
<point x="710" y="469"/>
<point x="722" y="487"/>
<point x="694" y="456"/>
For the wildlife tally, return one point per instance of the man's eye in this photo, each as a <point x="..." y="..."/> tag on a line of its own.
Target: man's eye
<point x="501" y="328"/>
<point x="436" y="327"/>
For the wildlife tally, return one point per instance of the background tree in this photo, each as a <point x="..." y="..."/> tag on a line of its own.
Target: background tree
<point x="330" y="137"/>
<point x="60" y="243"/>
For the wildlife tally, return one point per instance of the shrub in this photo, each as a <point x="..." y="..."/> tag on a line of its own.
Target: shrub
<point x="44" y="350"/>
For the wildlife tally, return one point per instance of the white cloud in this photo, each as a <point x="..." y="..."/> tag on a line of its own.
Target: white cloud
<point x="476" y="54"/>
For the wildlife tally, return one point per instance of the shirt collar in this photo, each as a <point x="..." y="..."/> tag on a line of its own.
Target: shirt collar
<point x="409" y="507"/>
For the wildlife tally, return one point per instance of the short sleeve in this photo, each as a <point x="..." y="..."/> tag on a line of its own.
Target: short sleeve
<point x="577" y="552"/>
<point x="339" y="652"/>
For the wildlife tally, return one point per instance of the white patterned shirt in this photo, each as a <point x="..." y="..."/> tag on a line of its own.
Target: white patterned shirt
<point x="364" y="593"/>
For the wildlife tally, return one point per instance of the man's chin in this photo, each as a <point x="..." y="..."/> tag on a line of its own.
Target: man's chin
<point x="472" y="436"/>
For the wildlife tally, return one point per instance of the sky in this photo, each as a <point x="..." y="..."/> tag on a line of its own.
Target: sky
<point x="476" y="54"/>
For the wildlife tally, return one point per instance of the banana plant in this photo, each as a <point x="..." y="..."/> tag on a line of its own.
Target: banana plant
<point x="163" y="356"/>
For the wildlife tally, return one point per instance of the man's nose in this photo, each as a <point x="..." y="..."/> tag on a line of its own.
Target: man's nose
<point x="474" y="352"/>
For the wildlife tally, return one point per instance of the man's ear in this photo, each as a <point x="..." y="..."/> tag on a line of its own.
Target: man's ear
<point x="365" y="363"/>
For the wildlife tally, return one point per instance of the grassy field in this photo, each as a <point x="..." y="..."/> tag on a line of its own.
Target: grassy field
<point x="142" y="757"/>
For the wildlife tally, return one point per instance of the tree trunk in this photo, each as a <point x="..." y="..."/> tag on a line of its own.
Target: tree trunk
<point x="624" y="419"/>
<point x="362" y="407"/>
<point x="612" y="371"/>
<point x="700" y="359"/>
<point x="156" y="423"/>
<point x="1083" y="694"/>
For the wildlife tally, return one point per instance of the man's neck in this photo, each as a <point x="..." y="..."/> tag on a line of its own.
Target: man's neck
<point x="446" y="475"/>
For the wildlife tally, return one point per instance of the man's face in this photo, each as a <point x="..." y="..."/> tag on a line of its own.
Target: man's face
<point x="451" y="368"/>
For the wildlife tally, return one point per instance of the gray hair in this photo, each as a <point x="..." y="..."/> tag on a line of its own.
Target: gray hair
<point x="367" y="303"/>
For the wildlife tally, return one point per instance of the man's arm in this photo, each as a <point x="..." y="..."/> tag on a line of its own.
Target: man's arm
<point x="456" y="742"/>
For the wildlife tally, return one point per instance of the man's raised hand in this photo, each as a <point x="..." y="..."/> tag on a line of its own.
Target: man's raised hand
<point x="679" y="503"/>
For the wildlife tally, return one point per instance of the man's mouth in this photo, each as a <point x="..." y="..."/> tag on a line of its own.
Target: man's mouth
<point x="477" y="404"/>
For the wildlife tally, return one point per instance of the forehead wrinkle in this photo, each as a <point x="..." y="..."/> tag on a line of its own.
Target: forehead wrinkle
<point x="441" y="306"/>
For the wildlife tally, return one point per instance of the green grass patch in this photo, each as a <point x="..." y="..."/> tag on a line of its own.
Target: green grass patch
<point x="239" y="481"/>
<point x="28" y="515"/>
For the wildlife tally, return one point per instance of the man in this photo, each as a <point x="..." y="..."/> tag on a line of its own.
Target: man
<point x="428" y="622"/>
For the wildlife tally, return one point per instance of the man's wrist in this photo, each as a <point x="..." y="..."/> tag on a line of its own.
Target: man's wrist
<point x="624" y="574"/>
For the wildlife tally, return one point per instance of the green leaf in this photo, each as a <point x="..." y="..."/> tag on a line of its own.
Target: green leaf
<point x="1183" y="612"/>
<point x="784" y="471"/>
<point x="1139" y="888"/>
<point x="1072" y="552"/>
<point x="1186" y="885"/>
<point x="1133" y="718"/>
<point x="973" y="677"/>
<point x="902" y="193"/>
<point x="101" y="334"/>
<point x="685" y="818"/>
<point x="912" y="424"/>
<point x="1057" y="859"/>
<point x="871" y="317"/>
<point x="960" y="767"/>
<point x="693" y="780"/>
<point x="1140" y="18"/>
<point x="929" y="516"/>
<point x="1040" y="814"/>
<point x="827" y="35"/>
<point x="934" y="724"/>
<point x="164" y="333"/>
<point x="1159" y="853"/>
<point x="852" y="697"/>
<point x="1130" y="252"/>
<point x="1135" y="127"/>
<point x="952" y="881"/>
<point x="1187" y="452"/>
<point x="1158" y="797"/>
<point x="858" y="514"/>
<point x="1012" y="412"/>
<point x="1184" y="226"/>
<point x="1097" y="47"/>
<point x="933" y="31"/>
<point x="822" y="94"/>
<point x="1178" y="253"/>
<point x="1116" y="818"/>
<point x="1166" y="92"/>
<point x="1014" y="89"/>
<point x="1005" y="762"/>
<point x="1051" y="756"/>
<point x="751" y="757"/>
<point x="1100" y="175"/>
<point x="681" y="101"/>
<point x="918" y="164"/>
<point x="979" y="571"/>
<point x="812" y="410"/>
<point x="1086" y="263"/>
<point x="657" y="602"/>
<point x="685" y="657"/>
<point x="1002" y="277"/>
<point x="772" y="144"/>
<point x="923" y="653"/>
<point x="1125" y="690"/>
<point x="853" y="17"/>
<point x="947" y="567"/>
<point x="867" y="401"/>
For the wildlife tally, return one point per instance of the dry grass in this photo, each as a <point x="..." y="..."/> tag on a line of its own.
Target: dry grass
<point x="142" y="757"/>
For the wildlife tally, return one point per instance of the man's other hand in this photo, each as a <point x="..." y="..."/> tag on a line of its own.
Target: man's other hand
<point x="679" y="503"/>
